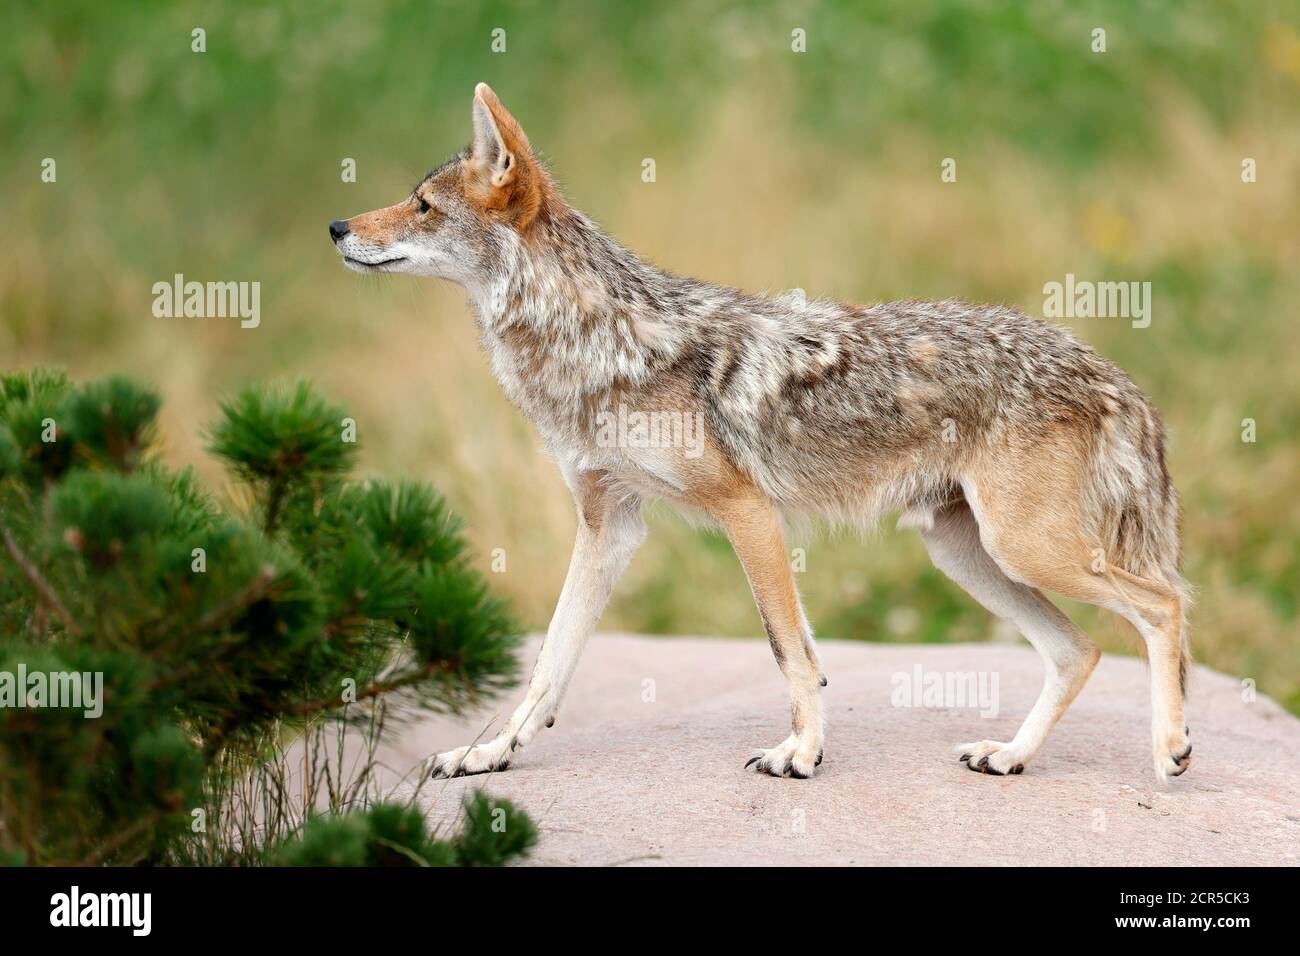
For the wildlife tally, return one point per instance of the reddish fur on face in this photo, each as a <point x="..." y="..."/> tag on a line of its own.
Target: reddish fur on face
<point x="384" y="226"/>
<point x="498" y="179"/>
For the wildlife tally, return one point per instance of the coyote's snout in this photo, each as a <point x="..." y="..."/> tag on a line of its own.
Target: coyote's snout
<point x="1026" y="461"/>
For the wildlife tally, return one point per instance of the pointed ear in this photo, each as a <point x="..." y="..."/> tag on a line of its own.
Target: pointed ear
<point x="501" y="173"/>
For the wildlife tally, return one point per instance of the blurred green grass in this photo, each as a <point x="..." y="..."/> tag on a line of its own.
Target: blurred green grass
<point x="775" y="169"/>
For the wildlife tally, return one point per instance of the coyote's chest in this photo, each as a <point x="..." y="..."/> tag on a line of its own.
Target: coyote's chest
<point x="595" y="422"/>
<point x="558" y="360"/>
<point x="596" y="403"/>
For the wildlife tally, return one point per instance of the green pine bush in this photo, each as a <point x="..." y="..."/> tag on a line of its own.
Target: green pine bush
<point x="390" y="834"/>
<point x="221" y="633"/>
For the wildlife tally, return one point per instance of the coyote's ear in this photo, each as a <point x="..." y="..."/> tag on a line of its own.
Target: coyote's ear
<point x="501" y="173"/>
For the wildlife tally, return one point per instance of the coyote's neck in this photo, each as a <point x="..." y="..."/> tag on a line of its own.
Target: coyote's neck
<point x="571" y="317"/>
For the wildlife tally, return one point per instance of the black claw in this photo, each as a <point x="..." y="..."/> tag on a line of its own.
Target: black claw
<point x="823" y="680"/>
<point x="1018" y="768"/>
<point x="983" y="767"/>
<point x="514" y="742"/>
<point x="550" y="721"/>
<point x="752" y="760"/>
<point x="819" y="759"/>
<point x="964" y="758"/>
<point x="496" y="768"/>
<point x="444" y="771"/>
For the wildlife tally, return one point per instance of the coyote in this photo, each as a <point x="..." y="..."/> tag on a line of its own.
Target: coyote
<point x="1026" y="461"/>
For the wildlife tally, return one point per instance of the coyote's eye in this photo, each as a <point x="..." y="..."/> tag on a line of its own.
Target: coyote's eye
<point x="421" y="206"/>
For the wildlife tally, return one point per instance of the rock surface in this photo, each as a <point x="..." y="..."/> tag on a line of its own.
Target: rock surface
<point x="622" y="779"/>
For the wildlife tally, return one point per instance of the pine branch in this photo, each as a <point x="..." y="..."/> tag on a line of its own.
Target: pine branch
<point x="43" y="588"/>
<point x="373" y="690"/>
<point x="137" y="829"/>
<point x="250" y="593"/>
<point x="275" y="499"/>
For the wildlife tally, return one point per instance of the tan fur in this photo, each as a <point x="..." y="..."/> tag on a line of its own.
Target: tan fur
<point x="1027" y="502"/>
<point x="755" y="534"/>
<point x="384" y="226"/>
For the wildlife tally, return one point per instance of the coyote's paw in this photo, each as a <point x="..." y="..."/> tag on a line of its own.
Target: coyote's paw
<point x="991" y="756"/>
<point x="792" y="758"/>
<point x="484" y="758"/>
<point x="1173" y="754"/>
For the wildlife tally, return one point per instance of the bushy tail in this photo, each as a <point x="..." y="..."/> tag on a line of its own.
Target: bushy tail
<point x="1140" y="515"/>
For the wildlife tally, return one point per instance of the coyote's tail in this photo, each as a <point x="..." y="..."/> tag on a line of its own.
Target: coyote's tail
<point x="1140" y="516"/>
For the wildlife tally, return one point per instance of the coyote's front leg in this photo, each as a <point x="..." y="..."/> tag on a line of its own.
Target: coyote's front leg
<point x="610" y="530"/>
<point x="755" y="534"/>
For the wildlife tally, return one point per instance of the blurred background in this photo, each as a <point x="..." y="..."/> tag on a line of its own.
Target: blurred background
<point x="774" y="169"/>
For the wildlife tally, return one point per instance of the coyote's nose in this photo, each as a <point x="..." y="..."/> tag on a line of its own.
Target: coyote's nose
<point x="338" y="229"/>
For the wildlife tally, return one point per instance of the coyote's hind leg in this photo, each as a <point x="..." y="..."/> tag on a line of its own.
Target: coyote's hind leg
<point x="1032" y="512"/>
<point x="1156" y="610"/>
<point x="1068" y="655"/>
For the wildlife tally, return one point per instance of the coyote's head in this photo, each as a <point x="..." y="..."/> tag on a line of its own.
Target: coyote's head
<point x="451" y="224"/>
